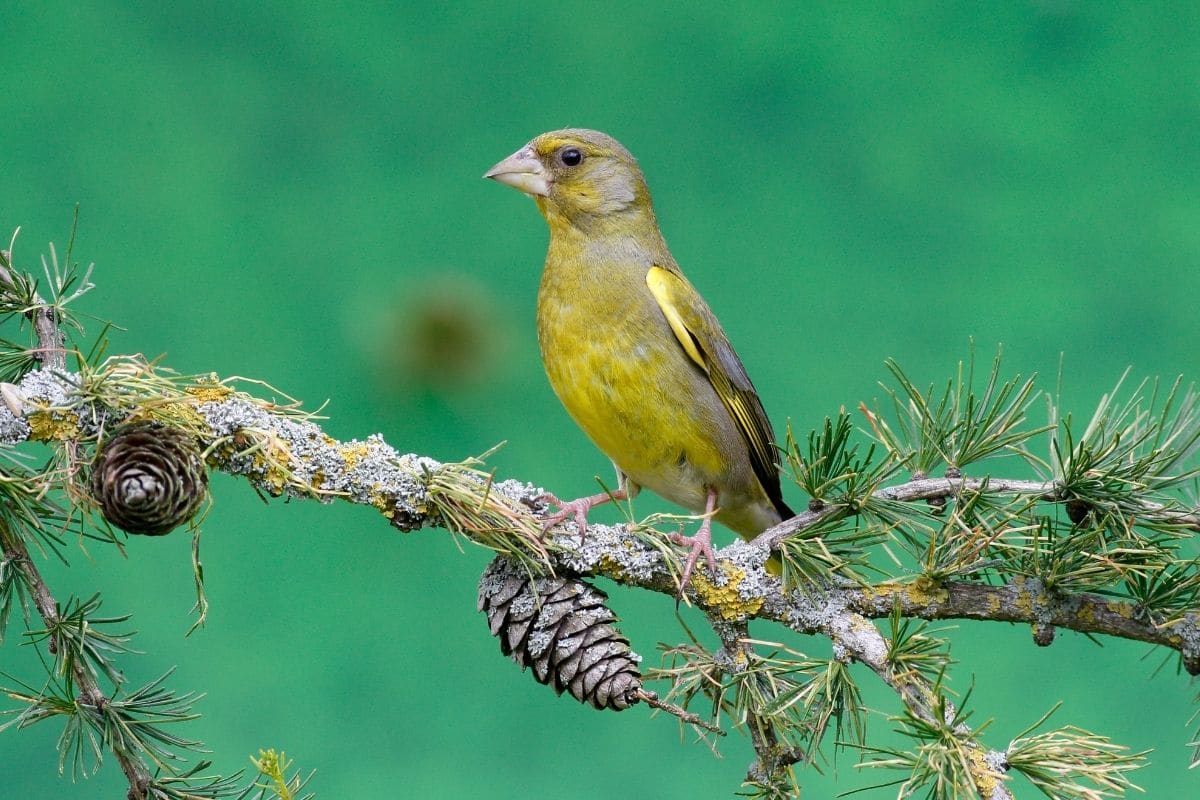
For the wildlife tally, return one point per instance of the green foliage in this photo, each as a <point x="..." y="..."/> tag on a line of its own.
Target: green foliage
<point x="832" y="547"/>
<point x="1110" y="516"/>
<point x="1136" y="445"/>
<point x="782" y="696"/>
<point x="914" y="654"/>
<point x="1126" y="526"/>
<point x="193" y="783"/>
<point x="81" y="640"/>
<point x="939" y="765"/>
<point x="274" y="782"/>
<point x="962" y="425"/>
<point x="832" y="470"/>
<point x="1073" y="764"/>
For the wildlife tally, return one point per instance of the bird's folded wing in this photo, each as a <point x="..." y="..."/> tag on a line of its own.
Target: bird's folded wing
<point x="704" y="342"/>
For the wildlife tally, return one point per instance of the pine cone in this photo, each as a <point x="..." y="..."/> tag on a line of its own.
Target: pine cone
<point x="561" y="628"/>
<point x="148" y="478"/>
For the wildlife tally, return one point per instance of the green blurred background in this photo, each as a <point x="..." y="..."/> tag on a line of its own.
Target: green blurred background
<point x="292" y="192"/>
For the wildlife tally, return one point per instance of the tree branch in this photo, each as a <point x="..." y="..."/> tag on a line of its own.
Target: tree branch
<point x="51" y="349"/>
<point x="52" y="352"/>
<point x="90" y="693"/>
<point x="858" y="639"/>
<point x="284" y="452"/>
<point x="943" y="488"/>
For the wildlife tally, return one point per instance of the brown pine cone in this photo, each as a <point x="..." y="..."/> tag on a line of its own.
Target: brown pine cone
<point x="561" y="628"/>
<point x="148" y="478"/>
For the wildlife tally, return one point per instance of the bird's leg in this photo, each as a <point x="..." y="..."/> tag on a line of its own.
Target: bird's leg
<point x="701" y="543"/>
<point x="579" y="509"/>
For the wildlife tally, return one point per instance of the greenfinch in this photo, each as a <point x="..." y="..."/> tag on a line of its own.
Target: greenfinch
<point x="633" y="351"/>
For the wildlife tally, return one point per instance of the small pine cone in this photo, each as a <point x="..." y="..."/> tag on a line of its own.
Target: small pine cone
<point x="561" y="628"/>
<point x="1078" y="511"/>
<point x="1043" y="634"/>
<point x="148" y="478"/>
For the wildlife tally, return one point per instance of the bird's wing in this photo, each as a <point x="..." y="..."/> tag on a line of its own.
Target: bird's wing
<point x="702" y="339"/>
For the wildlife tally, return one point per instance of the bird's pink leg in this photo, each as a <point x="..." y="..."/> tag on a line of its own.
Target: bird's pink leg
<point x="578" y="509"/>
<point x="701" y="543"/>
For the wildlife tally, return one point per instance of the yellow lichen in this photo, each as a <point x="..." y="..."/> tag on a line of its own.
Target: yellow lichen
<point x="353" y="452"/>
<point x="274" y="477"/>
<point x="1027" y="598"/>
<point x="384" y="503"/>
<point x="608" y="567"/>
<point x="987" y="780"/>
<point x="921" y="592"/>
<point x="270" y="456"/>
<point x="926" y="591"/>
<point x="46" y="426"/>
<point x="180" y="415"/>
<point x="994" y="603"/>
<point x="209" y="392"/>
<point x="726" y="600"/>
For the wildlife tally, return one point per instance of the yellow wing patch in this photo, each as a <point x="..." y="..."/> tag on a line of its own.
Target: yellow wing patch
<point x="704" y="343"/>
<point x="661" y="283"/>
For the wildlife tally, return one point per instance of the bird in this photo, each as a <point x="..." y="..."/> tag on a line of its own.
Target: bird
<point x="634" y="353"/>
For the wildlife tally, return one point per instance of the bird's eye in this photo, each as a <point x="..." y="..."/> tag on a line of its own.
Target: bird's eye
<point x="571" y="157"/>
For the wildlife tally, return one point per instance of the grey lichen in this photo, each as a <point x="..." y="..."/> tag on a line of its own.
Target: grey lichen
<point x="750" y="559"/>
<point x="808" y="611"/>
<point x="608" y="549"/>
<point x="381" y="471"/>
<point x="295" y="457"/>
<point x="13" y="429"/>
<point x="45" y="400"/>
<point x="279" y="454"/>
<point x="41" y="387"/>
<point x="531" y="496"/>
<point x="1188" y="630"/>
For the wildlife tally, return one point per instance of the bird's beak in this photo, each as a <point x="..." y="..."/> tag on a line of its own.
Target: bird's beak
<point x="523" y="171"/>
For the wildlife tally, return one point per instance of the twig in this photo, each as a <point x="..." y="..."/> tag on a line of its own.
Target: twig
<point x="51" y="349"/>
<point x="940" y="488"/>
<point x="53" y="355"/>
<point x="651" y="699"/>
<point x="1027" y="601"/>
<point x="90" y="692"/>
<point x="770" y="768"/>
<point x="859" y="639"/>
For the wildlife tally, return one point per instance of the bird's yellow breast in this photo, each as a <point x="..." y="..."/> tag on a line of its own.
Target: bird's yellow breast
<point x="617" y="368"/>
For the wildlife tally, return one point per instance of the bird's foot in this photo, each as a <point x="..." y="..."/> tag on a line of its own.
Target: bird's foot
<point x="578" y="509"/>
<point x="701" y="545"/>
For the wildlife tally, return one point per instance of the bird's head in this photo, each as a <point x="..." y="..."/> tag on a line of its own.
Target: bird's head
<point x="576" y="176"/>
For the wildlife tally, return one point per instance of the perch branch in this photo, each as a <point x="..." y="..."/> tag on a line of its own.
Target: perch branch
<point x="282" y="452"/>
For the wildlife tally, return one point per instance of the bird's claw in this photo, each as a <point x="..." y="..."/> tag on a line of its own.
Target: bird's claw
<point x="701" y="544"/>
<point x="568" y="508"/>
